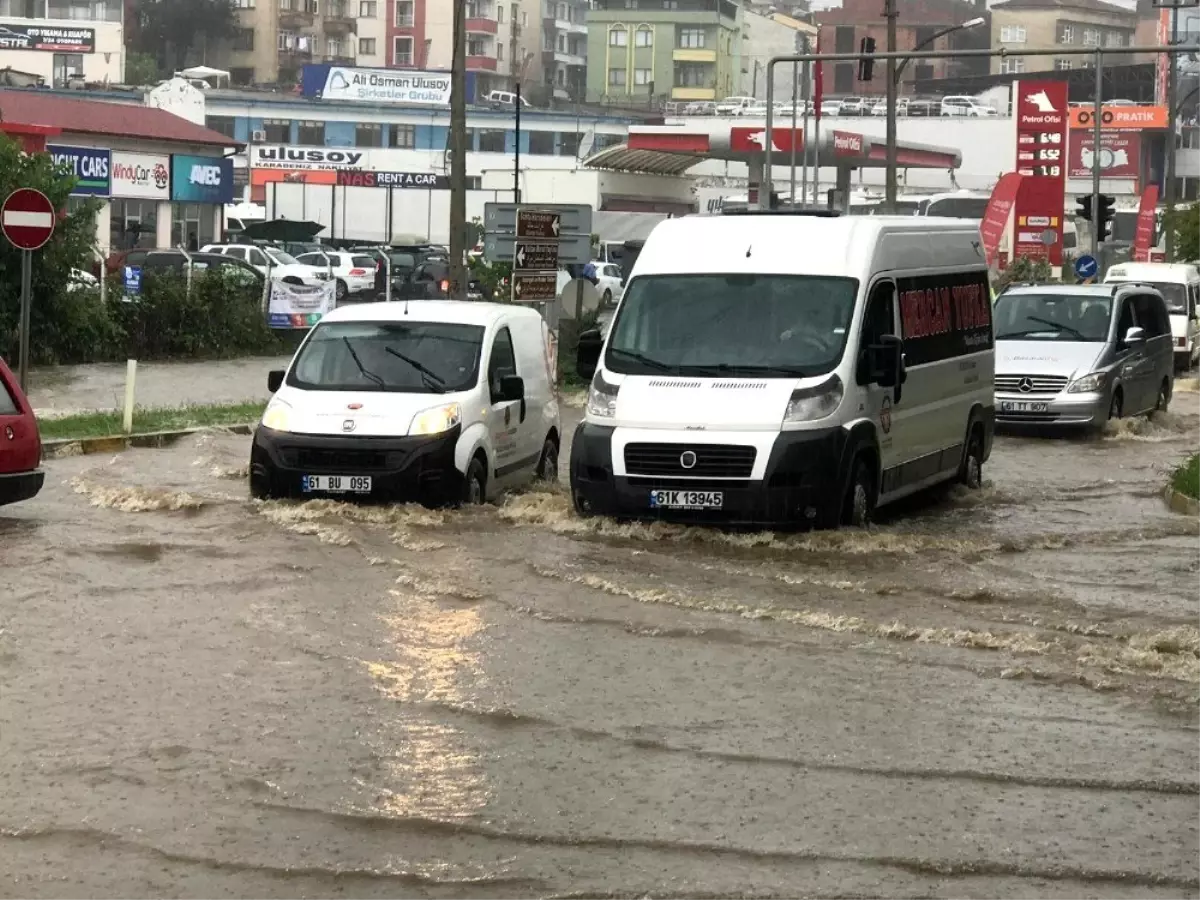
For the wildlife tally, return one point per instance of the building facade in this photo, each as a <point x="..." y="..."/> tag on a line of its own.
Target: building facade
<point x="64" y="42"/>
<point x="1049" y="24"/>
<point x="663" y="50"/>
<point x="765" y="35"/>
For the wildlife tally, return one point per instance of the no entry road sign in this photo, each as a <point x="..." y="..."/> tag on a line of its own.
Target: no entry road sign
<point x="27" y="219"/>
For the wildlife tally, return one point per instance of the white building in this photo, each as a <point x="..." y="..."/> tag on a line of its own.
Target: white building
<point x="64" y="41"/>
<point x="766" y="35"/>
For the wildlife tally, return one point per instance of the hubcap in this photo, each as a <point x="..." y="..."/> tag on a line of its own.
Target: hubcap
<point x="973" y="471"/>
<point x="476" y="491"/>
<point x="550" y="469"/>
<point x="860" y="504"/>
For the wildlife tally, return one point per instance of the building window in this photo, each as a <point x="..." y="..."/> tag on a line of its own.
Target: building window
<point x="243" y="4"/>
<point x="541" y="143"/>
<point x="616" y="78"/>
<point x="693" y="75"/>
<point x="500" y="14"/>
<point x="643" y="37"/>
<point x="402" y="51"/>
<point x="191" y="225"/>
<point x="243" y="40"/>
<point x="478" y="47"/>
<point x="1066" y="34"/>
<point x="1012" y="65"/>
<point x="404" y="13"/>
<point x="366" y="46"/>
<point x="1091" y="37"/>
<point x="691" y="38"/>
<point x="368" y="134"/>
<point x="134" y="223"/>
<point x="618" y="37"/>
<point x="66" y="67"/>
<point x="1012" y="34"/>
<point x="499" y="52"/>
<point x="334" y="47"/>
<point x="403" y="136"/>
<point x="569" y="145"/>
<point x="642" y="76"/>
<point x="1063" y="65"/>
<point x="287" y="40"/>
<point x="279" y="131"/>
<point x="1114" y="39"/>
<point x="223" y="124"/>
<point x="367" y="9"/>
<point x="491" y="141"/>
<point x="312" y="133"/>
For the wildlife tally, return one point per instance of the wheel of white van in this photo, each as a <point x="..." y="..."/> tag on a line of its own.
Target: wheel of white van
<point x="971" y="472"/>
<point x="340" y="290"/>
<point x="607" y="298"/>
<point x="859" y="502"/>
<point x="1115" y="407"/>
<point x="547" y="468"/>
<point x="474" y="483"/>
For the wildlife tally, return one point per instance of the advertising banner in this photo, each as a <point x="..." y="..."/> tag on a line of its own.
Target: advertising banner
<point x="299" y="306"/>
<point x="387" y="86"/>
<point x="143" y="176"/>
<point x="1041" y="132"/>
<point x="284" y="156"/>
<point x="427" y="180"/>
<point x="90" y="166"/>
<point x="47" y="38"/>
<point x="1120" y="118"/>
<point x="1120" y="154"/>
<point x="996" y="216"/>
<point x="201" y="179"/>
<point x="1143" y="236"/>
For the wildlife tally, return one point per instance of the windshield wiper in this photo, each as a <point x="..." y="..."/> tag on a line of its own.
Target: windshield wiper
<point x="358" y="362"/>
<point x="753" y="369"/>
<point x="433" y="381"/>
<point x="1057" y="326"/>
<point x="645" y="360"/>
<point x="1020" y="334"/>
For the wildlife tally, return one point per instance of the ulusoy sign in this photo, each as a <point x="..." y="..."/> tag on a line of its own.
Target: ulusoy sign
<point x="387" y="86"/>
<point x="284" y="157"/>
<point x="90" y="166"/>
<point x="1041" y="121"/>
<point x="47" y="38"/>
<point x="359" y="178"/>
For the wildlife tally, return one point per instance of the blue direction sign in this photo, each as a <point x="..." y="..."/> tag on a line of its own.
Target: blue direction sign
<point x="1086" y="267"/>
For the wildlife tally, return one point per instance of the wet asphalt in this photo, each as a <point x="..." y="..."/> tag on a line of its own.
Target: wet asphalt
<point x="987" y="694"/>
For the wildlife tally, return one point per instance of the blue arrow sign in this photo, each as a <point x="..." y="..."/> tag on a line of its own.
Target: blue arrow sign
<point x="1086" y="267"/>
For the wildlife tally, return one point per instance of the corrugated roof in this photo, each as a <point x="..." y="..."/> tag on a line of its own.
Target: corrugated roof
<point x="34" y="107"/>
<point x="656" y="162"/>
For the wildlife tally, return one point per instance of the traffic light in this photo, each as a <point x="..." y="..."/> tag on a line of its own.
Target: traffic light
<point x="1084" y="208"/>
<point x="866" y="65"/>
<point x="1104" y="217"/>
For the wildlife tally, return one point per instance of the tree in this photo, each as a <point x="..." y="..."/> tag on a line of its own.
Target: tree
<point x="54" y="307"/>
<point x="1025" y="270"/>
<point x="169" y="29"/>
<point x="1187" y="233"/>
<point x="141" y="68"/>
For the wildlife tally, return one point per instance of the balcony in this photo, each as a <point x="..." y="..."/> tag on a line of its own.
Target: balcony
<point x="339" y="19"/>
<point x="569" y="59"/>
<point x="297" y="13"/>
<point x="294" y="56"/>
<point x="694" y="54"/>
<point x="481" y="26"/>
<point x="481" y="63"/>
<point x="338" y="60"/>
<point x="693" y="93"/>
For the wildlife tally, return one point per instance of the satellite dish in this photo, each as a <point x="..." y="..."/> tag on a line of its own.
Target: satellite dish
<point x="586" y="143"/>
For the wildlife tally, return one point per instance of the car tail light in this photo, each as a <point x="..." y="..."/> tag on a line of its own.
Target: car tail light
<point x="445" y="286"/>
<point x="358" y="271"/>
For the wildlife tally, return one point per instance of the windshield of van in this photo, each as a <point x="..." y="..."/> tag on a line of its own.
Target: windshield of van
<point x="768" y="325"/>
<point x="412" y="357"/>
<point x="1175" y="294"/>
<point x="1081" y="318"/>
<point x="955" y="207"/>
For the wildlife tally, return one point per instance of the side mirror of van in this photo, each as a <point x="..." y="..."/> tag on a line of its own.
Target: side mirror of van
<point x="587" y="354"/>
<point x="1134" y="338"/>
<point x="275" y="380"/>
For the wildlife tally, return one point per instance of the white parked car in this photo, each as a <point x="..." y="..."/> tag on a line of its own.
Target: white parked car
<point x="831" y="107"/>
<point x="355" y="272"/>
<point x="80" y="280"/>
<point x="608" y="283"/>
<point x="735" y="106"/>
<point x="282" y="266"/>
<point x="966" y="106"/>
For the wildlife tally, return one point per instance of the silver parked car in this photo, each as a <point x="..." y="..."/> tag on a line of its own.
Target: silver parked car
<point x="1081" y="355"/>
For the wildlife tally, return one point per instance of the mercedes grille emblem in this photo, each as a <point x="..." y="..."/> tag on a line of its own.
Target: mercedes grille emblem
<point x="687" y="459"/>
<point x="1025" y="385"/>
<point x="348" y="425"/>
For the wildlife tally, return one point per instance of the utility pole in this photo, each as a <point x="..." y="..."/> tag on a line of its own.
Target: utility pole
<point x="458" y="155"/>
<point x="517" y="146"/>
<point x="1097" y="115"/>
<point x="1172" y="127"/>
<point x="889" y="185"/>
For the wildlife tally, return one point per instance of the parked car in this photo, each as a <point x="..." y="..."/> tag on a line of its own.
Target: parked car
<point x="500" y="99"/>
<point x="21" y="476"/>
<point x="965" y="106"/>
<point x="879" y="107"/>
<point x="924" y="108"/>
<point x="176" y="261"/>
<point x="734" y="106"/>
<point x="354" y="272"/>
<point x="281" y="265"/>
<point x="1079" y="355"/>
<point x="609" y="283"/>
<point x="831" y="107"/>
<point x="853" y="106"/>
<point x="430" y="280"/>
<point x="700" y="108"/>
<point x="81" y="280"/>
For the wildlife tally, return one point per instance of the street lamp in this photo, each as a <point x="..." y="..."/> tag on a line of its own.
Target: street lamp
<point x="894" y="73"/>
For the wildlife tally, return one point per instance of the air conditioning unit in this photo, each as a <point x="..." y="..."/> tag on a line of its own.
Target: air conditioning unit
<point x="258" y="137"/>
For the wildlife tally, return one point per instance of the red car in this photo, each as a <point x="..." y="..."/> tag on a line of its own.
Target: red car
<point x="20" y="444"/>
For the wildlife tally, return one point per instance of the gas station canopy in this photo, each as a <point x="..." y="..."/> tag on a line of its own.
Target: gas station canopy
<point x="673" y="149"/>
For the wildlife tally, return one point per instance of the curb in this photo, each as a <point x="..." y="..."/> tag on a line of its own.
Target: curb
<point x="63" y="447"/>
<point x="1181" y="503"/>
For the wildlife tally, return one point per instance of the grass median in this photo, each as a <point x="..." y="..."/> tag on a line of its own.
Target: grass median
<point x="1186" y="479"/>
<point x="148" y="421"/>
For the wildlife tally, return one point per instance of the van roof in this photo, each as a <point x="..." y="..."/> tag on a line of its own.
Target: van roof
<point x="846" y="246"/>
<point x="1181" y="273"/>
<point x="455" y="312"/>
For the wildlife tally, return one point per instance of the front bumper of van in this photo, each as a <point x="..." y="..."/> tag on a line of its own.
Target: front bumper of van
<point x="1062" y="409"/>
<point x="802" y="480"/>
<point x="401" y="468"/>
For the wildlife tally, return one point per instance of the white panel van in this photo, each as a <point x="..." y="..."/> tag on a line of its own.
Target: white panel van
<point x="1179" y="283"/>
<point x="776" y="368"/>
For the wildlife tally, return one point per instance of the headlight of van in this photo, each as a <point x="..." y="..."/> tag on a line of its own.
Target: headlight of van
<point x="602" y="398"/>
<point x="813" y="403"/>
<point x="1088" y="384"/>
<point x="436" y="420"/>
<point x="277" y="416"/>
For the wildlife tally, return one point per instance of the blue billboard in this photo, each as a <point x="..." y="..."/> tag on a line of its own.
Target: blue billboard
<point x="91" y="167"/>
<point x="201" y="179"/>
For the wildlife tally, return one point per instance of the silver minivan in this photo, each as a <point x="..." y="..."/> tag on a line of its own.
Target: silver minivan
<point x="1081" y="355"/>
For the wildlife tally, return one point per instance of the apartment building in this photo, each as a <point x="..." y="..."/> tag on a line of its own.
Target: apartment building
<point x="556" y="48"/>
<point x="1047" y="24"/>
<point x="655" y="50"/>
<point x="64" y="42"/>
<point x="767" y="33"/>
<point x="426" y="39"/>
<point x="275" y="38"/>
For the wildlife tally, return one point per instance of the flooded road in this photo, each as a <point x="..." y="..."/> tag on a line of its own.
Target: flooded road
<point x="988" y="694"/>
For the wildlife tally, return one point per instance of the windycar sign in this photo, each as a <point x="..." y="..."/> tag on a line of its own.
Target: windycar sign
<point x="387" y="86"/>
<point x="141" y="175"/>
<point x="201" y="179"/>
